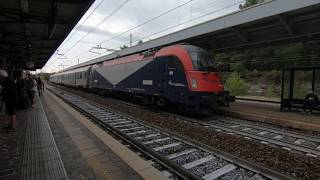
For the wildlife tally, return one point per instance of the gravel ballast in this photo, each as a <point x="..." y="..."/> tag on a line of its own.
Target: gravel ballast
<point x="295" y="165"/>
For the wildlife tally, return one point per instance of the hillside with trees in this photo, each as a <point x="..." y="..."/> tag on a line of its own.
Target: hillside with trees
<point x="258" y="71"/>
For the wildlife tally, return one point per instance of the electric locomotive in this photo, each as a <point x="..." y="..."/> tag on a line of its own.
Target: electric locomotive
<point x="183" y="75"/>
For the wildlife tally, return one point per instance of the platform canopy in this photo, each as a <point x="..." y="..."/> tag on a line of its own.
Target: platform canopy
<point x="32" y="30"/>
<point x="271" y="23"/>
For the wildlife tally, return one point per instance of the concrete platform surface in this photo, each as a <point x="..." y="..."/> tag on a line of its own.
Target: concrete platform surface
<point x="270" y="113"/>
<point x="82" y="142"/>
<point x="10" y="154"/>
<point x="53" y="141"/>
<point x="30" y="152"/>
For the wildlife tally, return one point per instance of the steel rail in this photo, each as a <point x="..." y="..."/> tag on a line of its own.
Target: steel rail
<point x="274" y="130"/>
<point x="258" y="100"/>
<point x="160" y="159"/>
<point x="253" y="136"/>
<point x="183" y="173"/>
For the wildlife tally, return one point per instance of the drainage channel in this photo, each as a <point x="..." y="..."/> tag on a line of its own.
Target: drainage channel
<point x="185" y="159"/>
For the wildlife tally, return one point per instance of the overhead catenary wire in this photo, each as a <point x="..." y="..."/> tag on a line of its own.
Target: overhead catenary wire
<point x="193" y="19"/>
<point x="156" y="17"/>
<point x="101" y="22"/>
<point x="145" y="22"/>
<point x="78" y="27"/>
<point x="148" y="21"/>
<point x="171" y="26"/>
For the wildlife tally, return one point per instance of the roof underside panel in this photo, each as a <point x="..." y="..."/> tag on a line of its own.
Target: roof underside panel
<point x="31" y="30"/>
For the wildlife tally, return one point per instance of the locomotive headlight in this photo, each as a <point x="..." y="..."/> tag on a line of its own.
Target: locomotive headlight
<point x="194" y="83"/>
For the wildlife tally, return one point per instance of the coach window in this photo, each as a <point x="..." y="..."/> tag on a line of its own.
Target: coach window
<point x="80" y="75"/>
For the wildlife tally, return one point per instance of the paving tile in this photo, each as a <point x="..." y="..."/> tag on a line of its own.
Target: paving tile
<point x="75" y="132"/>
<point x="91" y="152"/>
<point x="79" y="137"/>
<point x="86" y="146"/>
<point x="82" y="141"/>
<point x="11" y="146"/>
<point x="76" y="167"/>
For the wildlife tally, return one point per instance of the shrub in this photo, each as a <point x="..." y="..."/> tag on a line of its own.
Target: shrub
<point x="270" y="91"/>
<point x="238" y="67"/>
<point x="236" y="85"/>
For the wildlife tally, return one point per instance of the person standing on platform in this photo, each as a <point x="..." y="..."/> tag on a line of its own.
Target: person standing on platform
<point x="9" y="93"/>
<point x="40" y="86"/>
<point x="22" y="98"/>
<point x="31" y="86"/>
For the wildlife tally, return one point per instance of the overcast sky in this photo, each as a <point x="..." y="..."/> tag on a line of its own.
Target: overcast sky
<point x="106" y="21"/>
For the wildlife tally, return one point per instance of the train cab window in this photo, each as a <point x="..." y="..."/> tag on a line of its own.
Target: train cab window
<point x="175" y="63"/>
<point x="84" y="75"/>
<point x="202" y="61"/>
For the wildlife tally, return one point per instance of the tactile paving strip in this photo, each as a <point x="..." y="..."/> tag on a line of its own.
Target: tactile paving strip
<point x="41" y="158"/>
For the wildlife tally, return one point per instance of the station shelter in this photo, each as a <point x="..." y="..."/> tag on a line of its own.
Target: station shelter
<point x="300" y="88"/>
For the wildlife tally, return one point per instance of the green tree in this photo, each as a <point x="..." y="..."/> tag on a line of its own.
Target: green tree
<point x="237" y="67"/>
<point x="124" y="47"/>
<point x="250" y="3"/>
<point x="236" y="85"/>
<point x="139" y="42"/>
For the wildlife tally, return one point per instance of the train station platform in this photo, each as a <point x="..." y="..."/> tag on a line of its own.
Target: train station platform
<point x="270" y="113"/>
<point x="53" y="141"/>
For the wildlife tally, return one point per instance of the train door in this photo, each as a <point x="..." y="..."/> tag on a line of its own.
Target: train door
<point x="73" y="75"/>
<point x="176" y="79"/>
<point x="162" y="80"/>
<point x="76" y="82"/>
<point x="89" y="77"/>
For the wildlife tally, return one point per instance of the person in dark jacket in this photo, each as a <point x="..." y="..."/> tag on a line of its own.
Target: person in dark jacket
<point x="31" y="86"/>
<point x="40" y="86"/>
<point x="22" y="97"/>
<point x="9" y="93"/>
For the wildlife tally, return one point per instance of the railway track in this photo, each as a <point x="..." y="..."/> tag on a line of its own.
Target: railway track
<point x="185" y="158"/>
<point x="288" y="140"/>
<point x="265" y="134"/>
<point x="291" y="141"/>
<point x="258" y="100"/>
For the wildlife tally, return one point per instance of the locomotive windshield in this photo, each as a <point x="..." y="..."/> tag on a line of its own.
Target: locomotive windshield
<point x="202" y="61"/>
